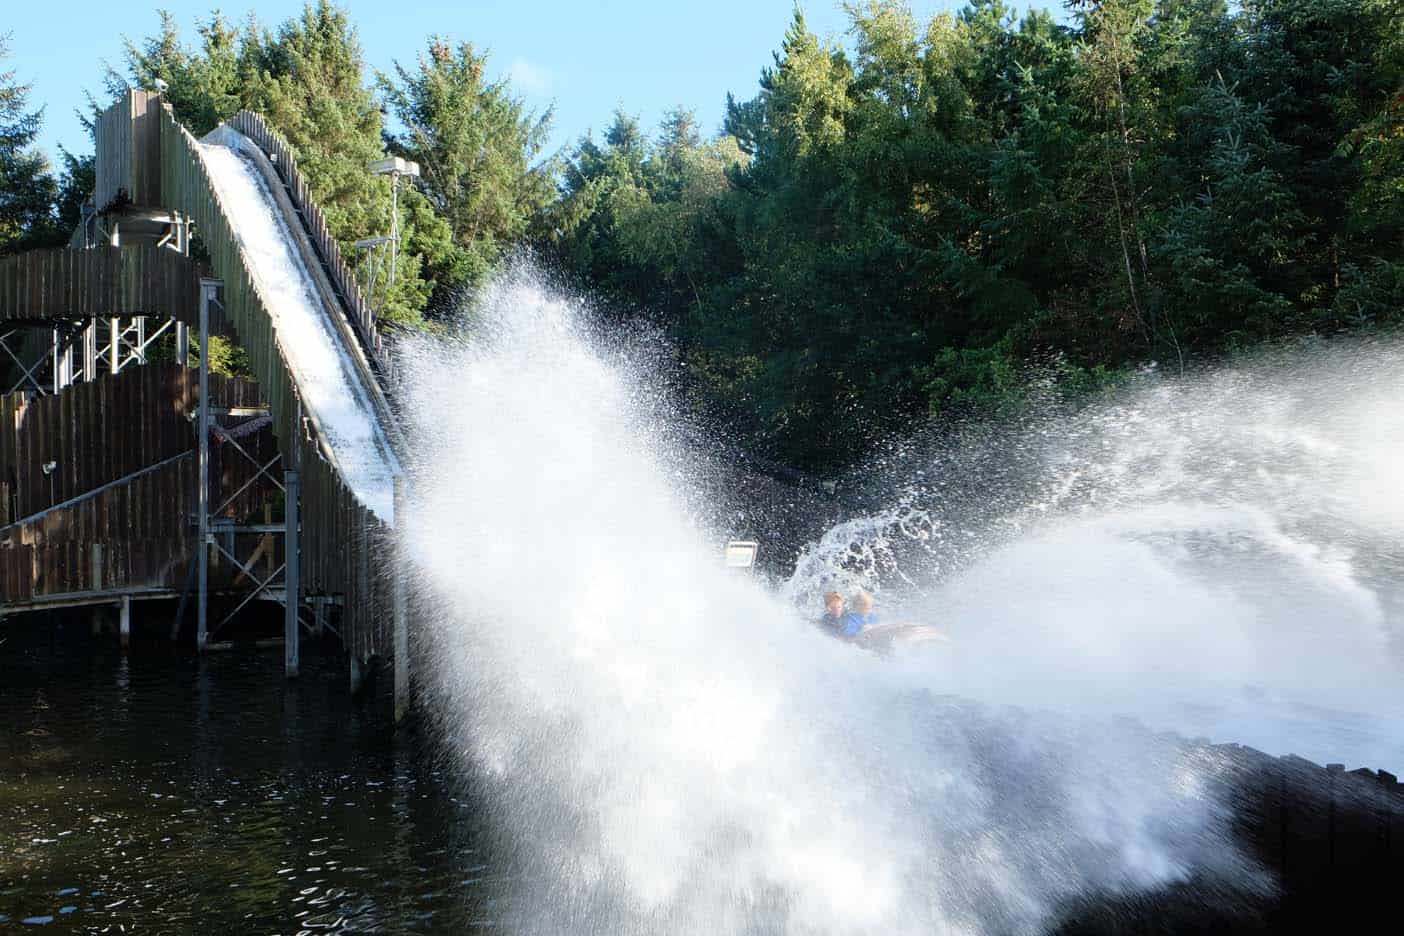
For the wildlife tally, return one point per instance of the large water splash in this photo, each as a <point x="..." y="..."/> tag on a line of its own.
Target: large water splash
<point x="667" y="747"/>
<point x="1219" y="555"/>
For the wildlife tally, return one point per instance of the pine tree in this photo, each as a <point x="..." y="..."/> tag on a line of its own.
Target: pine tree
<point x="306" y="79"/>
<point x="27" y="187"/>
<point x="478" y="147"/>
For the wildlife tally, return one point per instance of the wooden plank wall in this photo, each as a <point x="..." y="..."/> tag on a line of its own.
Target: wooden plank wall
<point x="340" y="537"/>
<point x="143" y="526"/>
<point x="128" y="169"/>
<point x="64" y="284"/>
<point x="98" y="432"/>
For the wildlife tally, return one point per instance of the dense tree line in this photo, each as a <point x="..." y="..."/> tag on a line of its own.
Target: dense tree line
<point x="898" y="226"/>
<point x="895" y="225"/>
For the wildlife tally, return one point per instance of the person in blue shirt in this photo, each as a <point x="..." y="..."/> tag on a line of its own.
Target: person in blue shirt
<point x="861" y="617"/>
<point x="831" y="622"/>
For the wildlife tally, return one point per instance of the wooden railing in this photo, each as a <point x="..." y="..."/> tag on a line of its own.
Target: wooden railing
<point x="358" y="311"/>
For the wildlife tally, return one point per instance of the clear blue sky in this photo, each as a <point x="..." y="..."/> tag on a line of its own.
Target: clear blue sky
<point x="583" y="57"/>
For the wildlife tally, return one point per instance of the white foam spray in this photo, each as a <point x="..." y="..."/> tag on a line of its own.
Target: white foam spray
<point x="1217" y="555"/>
<point x="668" y="747"/>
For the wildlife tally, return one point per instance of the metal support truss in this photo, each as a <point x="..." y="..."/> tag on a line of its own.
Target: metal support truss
<point x="81" y="350"/>
<point x="217" y="536"/>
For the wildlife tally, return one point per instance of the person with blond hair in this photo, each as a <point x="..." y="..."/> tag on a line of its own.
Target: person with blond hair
<point x="861" y="616"/>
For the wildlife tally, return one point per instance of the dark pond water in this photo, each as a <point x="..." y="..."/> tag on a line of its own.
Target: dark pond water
<point x="161" y="793"/>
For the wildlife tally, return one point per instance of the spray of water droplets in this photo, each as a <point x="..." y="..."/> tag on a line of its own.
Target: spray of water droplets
<point x="666" y="746"/>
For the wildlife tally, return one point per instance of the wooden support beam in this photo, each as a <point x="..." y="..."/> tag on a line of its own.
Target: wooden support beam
<point x="290" y="576"/>
<point x="208" y="289"/>
<point x="358" y="675"/>
<point x="400" y="604"/>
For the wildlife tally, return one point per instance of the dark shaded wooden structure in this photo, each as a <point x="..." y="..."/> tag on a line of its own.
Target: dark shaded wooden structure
<point x="118" y="456"/>
<point x="120" y="484"/>
<point x="64" y="284"/>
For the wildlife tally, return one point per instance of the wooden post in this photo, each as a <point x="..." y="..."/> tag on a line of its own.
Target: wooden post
<point x="90" y="351"/>
<point x="290" y="575"/>
<point x="95" y="558"/>
<point x="125" y="626"/>
<point x="202" y="556"/>
<point x="400" y="603"/>
<point x="61" y="356"/>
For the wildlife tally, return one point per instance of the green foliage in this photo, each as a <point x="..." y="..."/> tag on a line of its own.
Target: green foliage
<point x="477" y="146"/>
<point x="226" y="357"/>
<point x="27" y="187"/>
<point x="911" y="222"/>
<point x="903" y="225"/>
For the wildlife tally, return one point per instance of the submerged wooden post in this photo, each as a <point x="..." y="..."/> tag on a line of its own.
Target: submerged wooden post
<point x="95" y="557"/>
<point x="202" y="554"/>
<point x="290" y="575"/>
<point x="358" y="676"/>
<point x="400" y="604"/>
<point x="124" y="627"/>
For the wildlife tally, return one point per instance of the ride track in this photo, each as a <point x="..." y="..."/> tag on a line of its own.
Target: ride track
<point x="279" y="283"/>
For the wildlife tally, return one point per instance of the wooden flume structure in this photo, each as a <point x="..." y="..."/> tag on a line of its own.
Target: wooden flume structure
<point x="152" y="492"/>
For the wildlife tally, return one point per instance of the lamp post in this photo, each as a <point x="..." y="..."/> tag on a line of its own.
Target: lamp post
<point x="394" y="167"/>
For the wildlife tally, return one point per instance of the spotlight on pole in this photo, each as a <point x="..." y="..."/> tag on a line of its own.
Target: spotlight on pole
<point x="394" y="167"/>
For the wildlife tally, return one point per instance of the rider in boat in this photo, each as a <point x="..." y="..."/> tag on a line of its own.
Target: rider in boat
<point x="861" y="616"/>
<point x="832" y="620"/>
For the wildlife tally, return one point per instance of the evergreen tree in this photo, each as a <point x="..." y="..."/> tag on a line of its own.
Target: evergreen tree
<point x="478" y="147"/>
<point x="27" y="187"/>
<point x="306" y="79"/>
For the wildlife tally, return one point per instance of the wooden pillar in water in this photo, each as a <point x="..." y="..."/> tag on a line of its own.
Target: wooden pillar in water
<point x="399" y="573"/>
<point x="358" y="676"/>
<point x="202" y="548"/>
<point x="290" y="575"/>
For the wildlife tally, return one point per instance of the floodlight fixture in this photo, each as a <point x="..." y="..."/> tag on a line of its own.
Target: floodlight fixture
<point x="741" y="554"/>
<point x="368" y="243"/>
<point x="393" y="166"/>
<point x="161" y="86"/>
